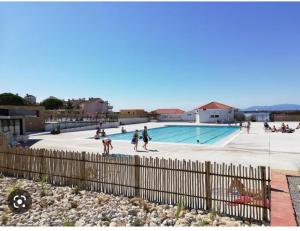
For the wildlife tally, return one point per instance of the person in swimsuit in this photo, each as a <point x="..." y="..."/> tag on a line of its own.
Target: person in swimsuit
<point x="248" y="126"/>
<point x="106" y="145"/>
<point x="135" y="140"/>
<point x="146" y="137"/>
<point x="103" y="134"/>
<point x="97" y="136"/>
<point x="123" y="130"/>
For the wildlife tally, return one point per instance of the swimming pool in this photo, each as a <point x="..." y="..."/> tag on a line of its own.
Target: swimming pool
<point x="183" y="134"/>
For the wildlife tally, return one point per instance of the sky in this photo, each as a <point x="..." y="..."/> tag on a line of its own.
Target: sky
<point x="152" y="55"/>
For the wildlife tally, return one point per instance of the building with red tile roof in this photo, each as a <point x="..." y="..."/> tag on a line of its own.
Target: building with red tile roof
<point x="214" y="105"/>
<point x="214" y="112"/>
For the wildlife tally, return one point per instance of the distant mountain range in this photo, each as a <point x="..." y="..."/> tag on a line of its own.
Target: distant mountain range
<point x="278" y="107"/>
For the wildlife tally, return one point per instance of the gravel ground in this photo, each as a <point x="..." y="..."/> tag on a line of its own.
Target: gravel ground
<point x="65" y="206"/>
<point x="294" y="185"/>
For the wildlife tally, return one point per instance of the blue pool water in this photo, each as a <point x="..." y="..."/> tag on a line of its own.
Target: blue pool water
<point x="184" y="134"/>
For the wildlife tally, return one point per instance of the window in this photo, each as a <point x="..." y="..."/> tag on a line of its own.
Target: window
<point x="5" y="126"/>
<point x="214" y="116"/>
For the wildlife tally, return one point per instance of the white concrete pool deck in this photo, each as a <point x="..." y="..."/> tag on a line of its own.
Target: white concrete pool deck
<point x="278" y="150"/>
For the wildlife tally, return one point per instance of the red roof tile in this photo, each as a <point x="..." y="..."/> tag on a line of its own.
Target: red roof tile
<point x="169" y="111"/>
<point x="214" y="105"/>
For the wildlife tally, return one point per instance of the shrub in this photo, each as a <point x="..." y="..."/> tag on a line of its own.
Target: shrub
<point x="42" y="183"/>
<point x="180" y="207"/>
<point x="4" y="218"/>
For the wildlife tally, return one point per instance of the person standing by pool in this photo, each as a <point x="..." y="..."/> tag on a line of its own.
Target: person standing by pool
<point x="135" y="140"/>
<point x="146" y="137"/>
<point x="248" y="127"/>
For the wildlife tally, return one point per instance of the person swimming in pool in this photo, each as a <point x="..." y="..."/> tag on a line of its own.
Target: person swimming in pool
<point x="123" y="130"/>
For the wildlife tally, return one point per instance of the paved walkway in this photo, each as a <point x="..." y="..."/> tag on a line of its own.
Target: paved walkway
<point x="282" y="212"/>
<point x="278" y="150"/>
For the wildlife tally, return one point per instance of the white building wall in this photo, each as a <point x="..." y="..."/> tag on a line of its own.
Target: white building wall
<point x="224" y="115"/>
<point x="134" y="120"/>
<point x="189" y="116"/>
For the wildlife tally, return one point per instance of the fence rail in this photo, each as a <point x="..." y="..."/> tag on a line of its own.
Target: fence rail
<point x="227" y="189"/>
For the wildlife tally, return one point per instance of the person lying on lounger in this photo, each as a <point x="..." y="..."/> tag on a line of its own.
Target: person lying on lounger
<point x="288" y="129"/>
<point x="237" y="186"/>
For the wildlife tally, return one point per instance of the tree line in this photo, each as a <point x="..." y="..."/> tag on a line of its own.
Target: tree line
<point x="14" y="99"/>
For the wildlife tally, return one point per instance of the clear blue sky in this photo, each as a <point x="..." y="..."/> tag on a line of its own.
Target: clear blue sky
<point x="153" y="55"/>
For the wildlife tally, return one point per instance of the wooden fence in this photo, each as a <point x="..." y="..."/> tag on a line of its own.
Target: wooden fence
<point x="226" y="189"/>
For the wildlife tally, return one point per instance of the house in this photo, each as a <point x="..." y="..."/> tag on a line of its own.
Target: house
<point x="18" y="120"/>
<point x="214" y="112"/>
<point x="173" y="114"/>
<point x="285" y="116"/>
<point x="95" y="106"/>
<point x="30" y="99"/>
<point x="136" y="113"/>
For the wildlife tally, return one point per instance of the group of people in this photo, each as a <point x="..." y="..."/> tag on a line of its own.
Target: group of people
<point x="100" y="133"/>
<point x="284" y="128"/>
<point x="248" y="125"/>
<point x="145" y="136"/>
<point x="107" y="143"/>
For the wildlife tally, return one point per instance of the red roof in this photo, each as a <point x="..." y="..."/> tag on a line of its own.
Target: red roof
<point x="214" y="105"/>
<point x="169" y="111"/>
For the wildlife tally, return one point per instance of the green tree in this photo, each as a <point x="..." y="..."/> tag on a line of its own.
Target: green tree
<point x="11" y="99"/>
<point x="52" y="103"/>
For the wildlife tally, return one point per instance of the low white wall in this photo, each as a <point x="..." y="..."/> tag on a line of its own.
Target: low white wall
<point x="133" y="120"/>
<point x="78" y="126"/>
<point x="177" y="117"/>
<point x="67" y="125"/>
<point x="92" y="127"/>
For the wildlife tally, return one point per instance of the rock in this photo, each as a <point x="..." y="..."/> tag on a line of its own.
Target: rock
<point x="152" y="224"/>
<point x="194" y="212"/>
<point x="113" y="224"/>
<point x="105" y="223"/>
<point x="137" y="222"/>
<point x="80" y="222"/>
<point x="181" y="222"/>
<point x="163" y="216"/>
<point x="171" y="214"/>
<point x="215" y="223"/>
<point x="133" y="212"/>
<point x="167" y="222"/>
<point x="154" y="213"/>
<point x="200" y="212"/>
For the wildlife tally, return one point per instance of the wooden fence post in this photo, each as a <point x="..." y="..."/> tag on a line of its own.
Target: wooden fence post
<point x="208" y="186"/>
<point x="137" y="175"/>
<point x="264" y="186"/>
<point x="82" y="170"/>
<point x="42" y="162"/>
